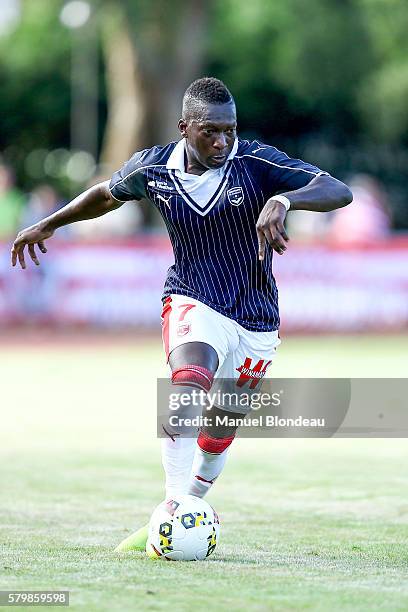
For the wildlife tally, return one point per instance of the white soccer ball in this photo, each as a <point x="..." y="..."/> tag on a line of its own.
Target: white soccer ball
<point x="185" y="528"/>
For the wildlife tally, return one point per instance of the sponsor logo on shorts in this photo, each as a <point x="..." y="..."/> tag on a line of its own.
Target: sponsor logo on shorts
<point x="253" y="374"/>
<point x="183" y="329"/>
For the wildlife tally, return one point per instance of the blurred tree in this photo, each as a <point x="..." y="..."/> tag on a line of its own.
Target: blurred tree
<point x="329" y="78"/>
<point x="383" y="93"/>
<point x="168" y="53"/>
<point x="150" y="53"/>
<point x="34" y="72"/>
<point x="296" y="65"/>
<point x="124" y="131"/>
<point x="323" y="79"/>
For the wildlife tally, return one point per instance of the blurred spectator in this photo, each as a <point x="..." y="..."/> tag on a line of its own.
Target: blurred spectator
<point x="43" y="201"/>
<point x="307" y="226"/>
<point x="11" y="203"/>
<point x="37" y="291"/>
<point x="367" y="218"/>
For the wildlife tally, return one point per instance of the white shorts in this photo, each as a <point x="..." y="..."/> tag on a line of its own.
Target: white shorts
<point x="243" y="356"/>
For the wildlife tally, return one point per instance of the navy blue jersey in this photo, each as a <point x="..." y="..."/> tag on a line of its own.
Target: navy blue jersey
<point x="214" y="240"/>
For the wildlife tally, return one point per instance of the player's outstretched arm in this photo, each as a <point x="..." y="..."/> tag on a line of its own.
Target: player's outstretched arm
<point x="90" y="204"/>
<point x="323" y="194"/>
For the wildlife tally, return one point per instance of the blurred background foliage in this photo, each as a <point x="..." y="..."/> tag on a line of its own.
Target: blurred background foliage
<point x="324" y="80"/>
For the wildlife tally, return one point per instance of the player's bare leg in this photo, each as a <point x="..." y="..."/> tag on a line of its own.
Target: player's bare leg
<point x="211" y="451"/>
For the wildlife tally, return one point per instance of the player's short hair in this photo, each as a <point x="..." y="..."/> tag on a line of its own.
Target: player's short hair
<point x="207" y="90"/>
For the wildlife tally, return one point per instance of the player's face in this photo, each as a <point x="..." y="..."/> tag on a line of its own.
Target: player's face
<point x="210" y="136"/>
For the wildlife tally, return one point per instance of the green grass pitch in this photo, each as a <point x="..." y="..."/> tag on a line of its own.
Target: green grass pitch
<point x="306" y="524"/>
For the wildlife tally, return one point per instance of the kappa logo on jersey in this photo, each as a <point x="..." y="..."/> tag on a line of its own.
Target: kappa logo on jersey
<point x="254" y="374"/>
<point x="163" y="199"/>
<point x="235" y="196"/>
<point x="160" y="185"/>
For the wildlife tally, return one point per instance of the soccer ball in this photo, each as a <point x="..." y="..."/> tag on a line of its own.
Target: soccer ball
<point x="183" y="529"/>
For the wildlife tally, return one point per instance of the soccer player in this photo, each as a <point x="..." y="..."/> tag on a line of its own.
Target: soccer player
<point x="224" y="201"/>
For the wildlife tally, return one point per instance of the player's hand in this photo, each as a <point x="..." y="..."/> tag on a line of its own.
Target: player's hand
<point x="270" y="228"/>
<point x="34" y="235"/>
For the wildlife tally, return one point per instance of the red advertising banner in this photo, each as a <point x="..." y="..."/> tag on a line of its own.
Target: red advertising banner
<point x="325" y="288"/>
<point x="322" y="288"/>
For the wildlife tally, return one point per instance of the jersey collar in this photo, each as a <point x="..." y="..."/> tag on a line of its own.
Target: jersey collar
<point x="176" y="159"/>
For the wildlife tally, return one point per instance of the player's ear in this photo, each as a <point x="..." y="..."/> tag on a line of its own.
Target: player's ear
<point x="182" y="126"/>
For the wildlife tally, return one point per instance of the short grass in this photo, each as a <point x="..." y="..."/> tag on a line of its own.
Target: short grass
<point x="306" y="524"/>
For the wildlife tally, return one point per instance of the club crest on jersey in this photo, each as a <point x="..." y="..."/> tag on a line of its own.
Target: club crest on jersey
<point x="235" y="196"/>
<point x="183" y="329"/>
